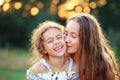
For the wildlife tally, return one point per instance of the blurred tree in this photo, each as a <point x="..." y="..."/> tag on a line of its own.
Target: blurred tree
<point x="109" y="16"/>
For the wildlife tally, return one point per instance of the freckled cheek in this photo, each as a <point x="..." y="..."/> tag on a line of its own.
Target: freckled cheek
<point x="63" y="42"/>
<point x="49" y="45"/>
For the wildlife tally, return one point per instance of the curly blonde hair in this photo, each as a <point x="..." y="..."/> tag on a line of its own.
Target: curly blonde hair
<point x="37" y="37"/>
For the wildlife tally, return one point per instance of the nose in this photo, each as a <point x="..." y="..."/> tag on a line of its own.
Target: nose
<point x="67" y="39"/>
<point x="56" y="41"/>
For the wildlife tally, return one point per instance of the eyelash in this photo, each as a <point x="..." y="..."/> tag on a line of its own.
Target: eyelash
<point x="74" y="36"/>
<point x="71" y="35"/>
<point x="59" y="37"/>
<point x="49" y="41"/>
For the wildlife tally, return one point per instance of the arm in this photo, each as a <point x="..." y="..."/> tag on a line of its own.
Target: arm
<point x="37" y="68"/>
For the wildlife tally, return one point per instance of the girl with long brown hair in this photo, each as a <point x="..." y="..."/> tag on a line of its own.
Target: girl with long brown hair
<point x="90" y="49"/>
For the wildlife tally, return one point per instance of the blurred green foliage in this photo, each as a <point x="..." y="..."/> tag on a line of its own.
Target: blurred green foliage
<point x="13" y="64"/>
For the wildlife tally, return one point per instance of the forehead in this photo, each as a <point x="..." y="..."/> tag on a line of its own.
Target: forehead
<point x="51" y="32"/>
<point x="73" y="26"/>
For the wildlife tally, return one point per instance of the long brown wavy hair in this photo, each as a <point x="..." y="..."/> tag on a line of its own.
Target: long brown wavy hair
<point x="99" y="61"/>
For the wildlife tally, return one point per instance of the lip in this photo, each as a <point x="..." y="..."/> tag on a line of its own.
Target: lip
<point x="58" y="49"/>
<point x="68" y="46"/>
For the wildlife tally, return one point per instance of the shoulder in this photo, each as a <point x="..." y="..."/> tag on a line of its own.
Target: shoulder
<point x="38" y="68"/>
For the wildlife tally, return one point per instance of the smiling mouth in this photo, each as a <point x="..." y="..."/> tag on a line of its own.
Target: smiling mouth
<point x="58" y="49"/>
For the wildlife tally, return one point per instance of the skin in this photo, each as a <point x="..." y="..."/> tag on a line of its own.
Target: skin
<point x="54" y="44"/>
<point x="72" y="37"/>
<point x="55" y="47"/>
<point x="94" y="49"/>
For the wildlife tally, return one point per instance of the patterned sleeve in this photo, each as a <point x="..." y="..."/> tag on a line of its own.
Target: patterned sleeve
<point x="32" y="76"/>
<point x="74" y="76"/>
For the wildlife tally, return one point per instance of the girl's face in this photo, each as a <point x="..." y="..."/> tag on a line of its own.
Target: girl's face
<point x="72" y="37"/>
<point x="54" y="43"/>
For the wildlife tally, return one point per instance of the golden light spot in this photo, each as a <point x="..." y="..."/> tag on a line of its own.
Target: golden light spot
<point x="6" y="7"/>
<point x="76" y="2"/>
<point x="86" y="9"/>
<point x="55" y="1"/>
<point x="81" y="1"/>
<point x="7" y="0"/>
<point x="62" y="14"/>
<point x="78" y="9"/>
<point x="101" y="3"/>
<point x="1" y="2"/>
<point x="93" y="5"/>
<point x="70" y="14"/>
<point x="84" y="4"/>
<point x="63" y="6"/>
<point x="53" y="9"/>
<point x="34" y="11"/>
<point x="27" y="7"/>
<point x="40" y="5"/>
<point x="70" y="6"/>
<point x="18" y="5"/>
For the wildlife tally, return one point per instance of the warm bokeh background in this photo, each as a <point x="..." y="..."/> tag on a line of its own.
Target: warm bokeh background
<point x="19" y="17"/>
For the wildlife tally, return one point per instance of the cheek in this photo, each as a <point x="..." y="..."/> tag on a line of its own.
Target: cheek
<point x="48" y="46"/>
<point x="77" y="43"/>
<point x="63" y="43"/>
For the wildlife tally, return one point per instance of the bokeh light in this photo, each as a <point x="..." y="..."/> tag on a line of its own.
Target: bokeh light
<point x="63" y="10"/>
<point x="78" y="9"/>
<point x="93" y="5"/>
<point x="86" y="9"/>
<point x="18" y="5"/>
<point x="1" y="2"/>
<point x="101" y="3"/>
<point x="34" y="11"/>
<point x="27" y="7"/>
<point x="77" y="6"/>
<point x="7" y="0"/>
<point x="84" y="4"/>
<point x="70" y="6"/>
<point x="6" y="7"/>
<point x="70" y="14"/>
<point x="40" y="5"/>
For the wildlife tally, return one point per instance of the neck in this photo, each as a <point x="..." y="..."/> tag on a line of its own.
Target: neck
<point x="75" y="58"/>
<point x="57" y="63"/>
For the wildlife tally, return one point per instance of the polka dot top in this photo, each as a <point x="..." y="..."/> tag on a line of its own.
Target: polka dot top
<point x="69" y="75"/>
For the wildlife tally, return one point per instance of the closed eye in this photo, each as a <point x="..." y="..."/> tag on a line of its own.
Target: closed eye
<point x="74" y="35"/>
<point x="49" y="41"/>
